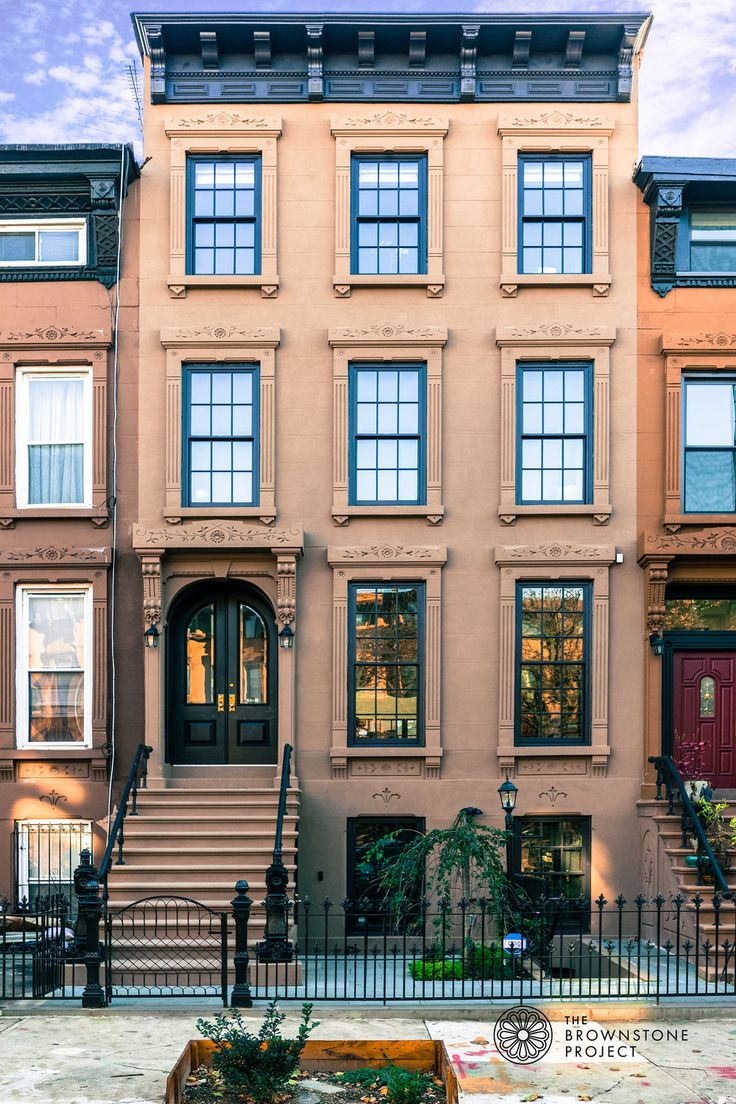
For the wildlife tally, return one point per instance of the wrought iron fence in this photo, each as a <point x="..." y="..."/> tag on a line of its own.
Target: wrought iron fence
<point x="38" y="952"/>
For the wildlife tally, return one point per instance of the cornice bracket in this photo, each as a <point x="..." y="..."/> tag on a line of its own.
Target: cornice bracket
<point x="157" y="52"/>
<point x="574" y="49"/>
<point x="469" y="61"/>
<point x="625" y="60"/>
<point x="522" y="46"/>
<point x="315" y="61"/>
<point x="208" y="46"/>
<point x="262" y="49"/>
<point x="417" y="49"/>
<point x="366" y="49"/>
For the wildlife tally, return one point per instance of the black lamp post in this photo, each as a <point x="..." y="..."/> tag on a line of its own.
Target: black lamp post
<point x="507" y="792"/>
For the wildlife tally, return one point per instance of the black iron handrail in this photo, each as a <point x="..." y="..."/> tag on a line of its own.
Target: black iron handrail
<point x="669" y="776"/>
<point x="285" y="783"/>
<point x="137" y="779"/>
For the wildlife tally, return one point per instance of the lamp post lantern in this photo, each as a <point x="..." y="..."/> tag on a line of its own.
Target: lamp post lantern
<point x="507" y="792"/>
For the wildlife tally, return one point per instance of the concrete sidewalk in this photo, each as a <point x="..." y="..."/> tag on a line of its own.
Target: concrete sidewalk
<point x="122" y="1056"/>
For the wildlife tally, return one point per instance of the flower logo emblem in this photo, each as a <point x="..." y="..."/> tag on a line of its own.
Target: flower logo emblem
<point x="522" y="1035"/>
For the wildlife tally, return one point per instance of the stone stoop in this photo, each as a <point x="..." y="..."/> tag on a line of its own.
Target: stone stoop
<point x="685" y="878"/>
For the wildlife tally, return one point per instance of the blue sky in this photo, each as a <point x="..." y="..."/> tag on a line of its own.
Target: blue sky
<point x="63" y="65"/>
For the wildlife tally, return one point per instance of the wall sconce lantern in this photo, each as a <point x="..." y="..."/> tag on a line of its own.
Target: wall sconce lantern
<point x="507" y="791"/>
<point x="151" y="636"/>
<point x="656" y="643"/>
<point x="286" y="637"/>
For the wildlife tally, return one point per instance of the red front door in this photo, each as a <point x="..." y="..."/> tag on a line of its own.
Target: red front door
<point x="705" y="710"/>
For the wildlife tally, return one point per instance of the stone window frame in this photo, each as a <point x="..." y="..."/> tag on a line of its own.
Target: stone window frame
<point x="46" y="349"/>
<point x="689" y="355"/>
<point x="550" y="563"/>
<point x="385" y="563"/>
<point x="215" y="133"/>
<point x="563" y="132"/>
<point x="60" y="567"/>
<point x="556" y="342"/>
<point x="220" y="345"/>
<point x="389" y="132"/>
<point x="385" y="344"/>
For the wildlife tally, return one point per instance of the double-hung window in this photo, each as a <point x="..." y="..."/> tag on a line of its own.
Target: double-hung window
<point x="387" y="435"/>
<point x="389" y="214"/>
<point x="552" y="855"/>
<point x="555" y="433"/>
<point x="710" y="446"/>
<point x="224" y="215"/>
<point x="553" y="634"/>
<point x="54" y="650"/>
<point x="54" y="438"/>
<point x="43" y="243"/>
<point x="713" y="240"/>
<point x="221" y="436"/>
<point x="554" y="214"/>
<point x="385" y="669"/>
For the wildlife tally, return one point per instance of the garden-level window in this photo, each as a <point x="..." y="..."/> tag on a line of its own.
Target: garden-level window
<point x="53" y="438"/>
<point x="374" y="843"/>
<point x="224" y="215"/>
<point x="709" y="446"/>
<point x="385" y="669"/>
<point x="552" y="856"/>
<point x="387" y="435"/>
<point x="389" y="214"/>
<point x="221" y="435"/>
<point x="554" y="214"/>
<point x="47" y="853"/>
<point x="54" y="653"/>
<point x="552" y="662"/>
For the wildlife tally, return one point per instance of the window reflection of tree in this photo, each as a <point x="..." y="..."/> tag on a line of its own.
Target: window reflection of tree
<point x="56" y="668"/>
<point x="386" y="663"/>
<point x="253" y="674"/>
<point x="200" y="657"/>
<point x="552" y="655"/>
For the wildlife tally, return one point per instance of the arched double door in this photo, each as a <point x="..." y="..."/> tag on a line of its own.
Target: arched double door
<point x="221" y="677"/>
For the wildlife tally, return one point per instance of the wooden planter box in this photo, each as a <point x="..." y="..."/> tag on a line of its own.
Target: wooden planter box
<point x="328" y="1056"/>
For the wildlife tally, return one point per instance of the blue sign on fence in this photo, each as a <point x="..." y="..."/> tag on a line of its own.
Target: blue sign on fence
<point x="514" y="943"/>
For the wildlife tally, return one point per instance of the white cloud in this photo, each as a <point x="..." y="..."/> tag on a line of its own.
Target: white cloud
<point x="6" y="97"/>
<point x="85" y="81"/>
<point x="40" y="57"/>
<point x="37" y="76"/>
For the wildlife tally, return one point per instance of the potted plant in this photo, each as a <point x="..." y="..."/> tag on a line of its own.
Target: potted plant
<point x="719" y="833"/>
<point x="690" y="766"/>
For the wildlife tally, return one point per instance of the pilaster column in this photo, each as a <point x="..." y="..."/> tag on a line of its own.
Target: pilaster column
<point x="153" y="660"/>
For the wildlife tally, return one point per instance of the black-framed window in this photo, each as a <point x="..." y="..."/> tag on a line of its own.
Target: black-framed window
<point x="553" y="643"/>
<point x="552" y="856"/>
<point x="386" y="641"/>
<point x="554" y="213"/>
<point x="389" y="214"/>
<point x="554" y="453"/>
<point x="221" y="421"/>
<point x="387" y="434"/>
<point x="224" y="215"/>
<point x="373" y="843"/>
<point x="709" y="443"/>
<point x="712" y="239"/>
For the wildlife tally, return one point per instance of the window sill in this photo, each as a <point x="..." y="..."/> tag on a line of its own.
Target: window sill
<point x="600" y="514"/>
<point x="511" y="282"/>
<point x="97" y="515"/>
<point x="187" y="513"/>
<point x="343" y="285"/>
<point x="379" y="762"/>
<point x="673" y="522"/>
<point x="178" y="285"/>
<point x="48" y="751"/>
<point x="432" y="514"/>
<point x="555" y="760"/>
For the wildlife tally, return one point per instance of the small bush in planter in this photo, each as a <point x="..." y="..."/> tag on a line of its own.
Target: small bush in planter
<point x="478" y="964"/>
<point x="257" y="1066"/>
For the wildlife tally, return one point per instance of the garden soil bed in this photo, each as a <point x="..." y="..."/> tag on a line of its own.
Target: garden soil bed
<point x="320" y="1060"/>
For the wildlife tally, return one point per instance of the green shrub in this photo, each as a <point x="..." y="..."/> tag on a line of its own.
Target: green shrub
<point x="404" y="1086"/>
<point x="258" y="1066"/>
<point x="478" y="964"/>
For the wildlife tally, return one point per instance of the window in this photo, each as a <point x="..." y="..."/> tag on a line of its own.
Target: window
<point x="47" y="853"/>
<point x="373" y="843"/>
<point x="710" y="446"/>
<point x="54" y="434"/>
<point x="387" y="435"/>
<point x="54" y="656"/>
<point x="553" y="859"/>
<point x="554" y="206"/>
<point x="385" y="669"/>
<point x="389" y="214"/>
<point x="713" y="240"/>
<point x="221" y="436"/>
<point x="224" y="216"/>
<point x="45" y="243"/>
<point x="552" y="662"/>
<point x="554" y="453"/>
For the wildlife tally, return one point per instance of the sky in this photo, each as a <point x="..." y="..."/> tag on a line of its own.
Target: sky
<point x="64" y="64"/>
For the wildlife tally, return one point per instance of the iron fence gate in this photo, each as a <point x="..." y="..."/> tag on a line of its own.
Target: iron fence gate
<point x="37" y="950"/>
<point x="166" y="947"/>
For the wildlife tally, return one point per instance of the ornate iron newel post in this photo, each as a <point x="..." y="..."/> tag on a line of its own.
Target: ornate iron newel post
<point x="241" y="996"/>
<point x="87" y="938"/>
<point x="276" y="946"/>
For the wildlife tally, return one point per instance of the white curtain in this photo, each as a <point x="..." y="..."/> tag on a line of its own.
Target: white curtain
<point x="56" y="441"/>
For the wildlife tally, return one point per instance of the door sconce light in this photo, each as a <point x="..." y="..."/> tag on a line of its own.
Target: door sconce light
<point x="656" y="643"/>
<point x="286" y="637"/>
<point x="151" y="636"/>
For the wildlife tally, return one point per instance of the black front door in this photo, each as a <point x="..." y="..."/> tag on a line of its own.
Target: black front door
<point x="221" y="681"/>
